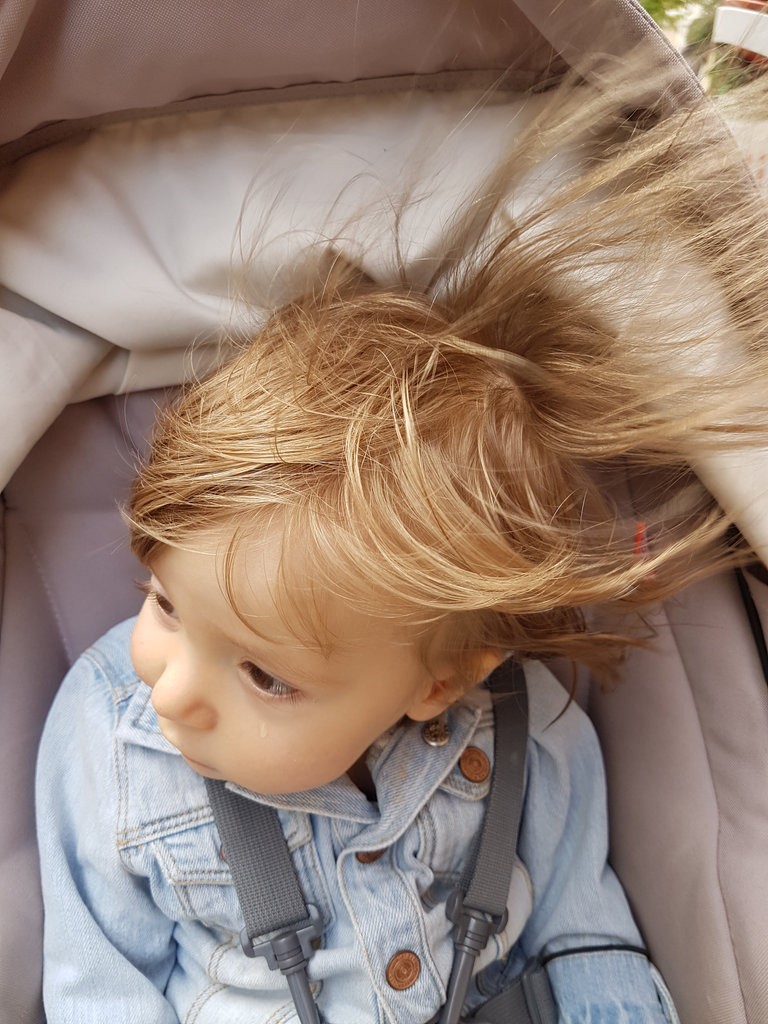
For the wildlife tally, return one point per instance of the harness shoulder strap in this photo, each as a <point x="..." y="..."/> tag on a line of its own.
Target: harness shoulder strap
<point x="268" y="890"/>
<point x="256" y="852"/>
<point x="478" y="908"/>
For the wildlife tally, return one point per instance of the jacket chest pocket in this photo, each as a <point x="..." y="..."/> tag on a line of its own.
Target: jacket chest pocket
<point x="450" y="823"/>
<point x="188" y="875"/>
<point x="447" y="828"/>
<point x="190" y="878"/>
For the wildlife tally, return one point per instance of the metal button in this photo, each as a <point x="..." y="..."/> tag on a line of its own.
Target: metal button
<point x="435" y="732"/>
<point x="403" y="970"/>
<point x="369" y="856"/>
<point x="474" y="765"/>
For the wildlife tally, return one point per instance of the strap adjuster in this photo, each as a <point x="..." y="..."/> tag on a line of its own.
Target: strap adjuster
<point x="289" y="952"/>
<point x="472" y="929"/>
<point x="289" y="948"/>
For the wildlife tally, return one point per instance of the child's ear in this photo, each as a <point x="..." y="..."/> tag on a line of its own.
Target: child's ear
<point x="444" y="691"/>
<point x="440" y="696"/>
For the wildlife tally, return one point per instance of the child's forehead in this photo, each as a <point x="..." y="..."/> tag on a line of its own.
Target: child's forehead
<point x="269" y="580"/>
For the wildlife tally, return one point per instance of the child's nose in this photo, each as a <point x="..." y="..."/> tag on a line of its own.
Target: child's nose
<point x="179" y="695"/>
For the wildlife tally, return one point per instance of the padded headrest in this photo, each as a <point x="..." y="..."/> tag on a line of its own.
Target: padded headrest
<point x="70" y="64"/>
<point x="73" y="59"/>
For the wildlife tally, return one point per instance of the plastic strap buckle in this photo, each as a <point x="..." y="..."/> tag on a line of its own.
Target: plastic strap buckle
<point x="282" y="950"/>
<point x="473" y="927"/>
<point x="289" y="952"/>
<point x="472" y="930"/>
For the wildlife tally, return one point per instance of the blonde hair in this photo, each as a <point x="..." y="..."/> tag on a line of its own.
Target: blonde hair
<point x="449" y="453"/>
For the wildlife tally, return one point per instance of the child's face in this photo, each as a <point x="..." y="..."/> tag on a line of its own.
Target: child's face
<point x="264" y="709"/>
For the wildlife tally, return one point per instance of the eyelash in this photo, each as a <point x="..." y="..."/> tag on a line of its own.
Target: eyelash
<point x="256" y="676"/>
<point x="162" y="602"/>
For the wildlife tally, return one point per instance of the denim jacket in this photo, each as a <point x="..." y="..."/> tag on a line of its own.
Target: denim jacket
<point x="142" y="920"/>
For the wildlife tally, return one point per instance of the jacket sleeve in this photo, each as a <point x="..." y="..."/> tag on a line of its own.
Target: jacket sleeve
<point x="108" y="949"/>
<point x="578" y="902"/>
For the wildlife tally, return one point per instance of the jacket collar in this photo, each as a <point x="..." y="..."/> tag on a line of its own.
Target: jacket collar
<point x="405" y="769"/>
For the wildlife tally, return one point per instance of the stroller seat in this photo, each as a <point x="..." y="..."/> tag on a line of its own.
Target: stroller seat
<point x="684" y="733"/>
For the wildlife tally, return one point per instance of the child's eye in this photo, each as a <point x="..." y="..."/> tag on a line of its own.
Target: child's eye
<point x="163" y="604"/>
<point x="267" y="685"/>
<point x="149" y="587"/>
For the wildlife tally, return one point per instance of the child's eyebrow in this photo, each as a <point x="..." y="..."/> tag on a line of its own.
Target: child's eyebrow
<point x="261" y="658"/>
<point x="270" y="660"/>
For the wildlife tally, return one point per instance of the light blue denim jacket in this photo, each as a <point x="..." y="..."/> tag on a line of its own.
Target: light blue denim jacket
<point x="142" y="921"/>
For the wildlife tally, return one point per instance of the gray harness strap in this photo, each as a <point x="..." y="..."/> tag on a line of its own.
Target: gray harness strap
<point x="255" y="849"/>
<point x="271" y="898"/>
<point x="268" y="890"/>
<point x="528" y="1000"/>
<point x="478" y="908"/>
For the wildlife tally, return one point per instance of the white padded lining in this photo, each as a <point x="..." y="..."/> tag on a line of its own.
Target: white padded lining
<point x="120" y="247"/>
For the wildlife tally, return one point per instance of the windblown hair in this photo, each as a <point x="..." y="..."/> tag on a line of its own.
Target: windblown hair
<point x="454" y="453"/>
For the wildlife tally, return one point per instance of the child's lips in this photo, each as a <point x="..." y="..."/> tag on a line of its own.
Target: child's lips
<point x="199" y="766"/>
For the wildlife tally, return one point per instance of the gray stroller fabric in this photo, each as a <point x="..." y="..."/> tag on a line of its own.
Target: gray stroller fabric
<point x="684" y="736"/>
<point x="67" y="576"/>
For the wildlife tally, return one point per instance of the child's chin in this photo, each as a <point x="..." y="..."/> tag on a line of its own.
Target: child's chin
<point x="202" y="769"/>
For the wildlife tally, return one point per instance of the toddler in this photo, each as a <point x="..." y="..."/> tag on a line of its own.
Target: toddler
<point x="381" y="497"/>
<point x="347" y="527"/>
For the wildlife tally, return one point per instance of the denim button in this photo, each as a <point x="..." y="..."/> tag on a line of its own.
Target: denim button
<point x="403" y="970"/>
<point x="474" y="765"/>
<point x="369" y="856"/>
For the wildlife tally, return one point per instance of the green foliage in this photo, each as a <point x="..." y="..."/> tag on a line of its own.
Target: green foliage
<point x="720" y="68"/>
<point x="700" y="29"/>
<point x="666" y="13"/>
